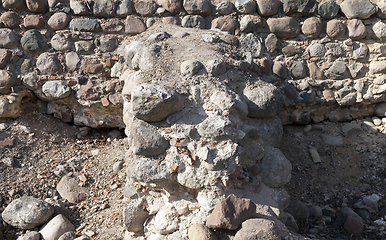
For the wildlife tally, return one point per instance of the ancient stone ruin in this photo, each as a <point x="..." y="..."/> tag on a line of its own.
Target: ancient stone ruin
<point x="202" y="89"/>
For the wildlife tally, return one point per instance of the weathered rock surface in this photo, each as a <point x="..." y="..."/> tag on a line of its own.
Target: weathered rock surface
<point x="70" y="190"/>
<point x="230" y="213"/>
<point x="56" y="227"/>
<point x="27" y="212"/>
<point x="259" y="228"/>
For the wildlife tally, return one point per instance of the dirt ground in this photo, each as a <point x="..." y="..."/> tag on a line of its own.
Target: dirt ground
<point x="346" y="173"/>
<point x="43" y="142"/>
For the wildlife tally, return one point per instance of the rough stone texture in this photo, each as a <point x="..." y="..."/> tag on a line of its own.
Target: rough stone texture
<point x="245" y="6"/>
<point x="33" y="21"/>
<point x="87" y="92"/>
<point x="337" y="71"/>
<point x="354" y="225"/>
<point x="59" y="42"/>
<point x="56" y="89"/>
<point x="224" y="7"/>
<point x="172" y="6"/>
<point x="193" y="21"/>
<point x="299" y="211"/>
<point x="33" y="41"/>
<point x="259" y="228"/>
<point x="147" y="139"/>
<point x="8" y="38"/>
<point x="264" y="100"/>
<point x="250" y="43"/>
<point x="72" y="61"/>
<point x="59" y="21"/>
<point x="356" y="29"/>
<point x="285" y="27"/>
<point x="275" y="168"/>
<point x="124" y="8"/>
<point x="272" y="43"/>
<point x="10" y="20"/>
<point x="379" y="30"/>
<point x="381" y="13"/>
<point x="199" y="7"/>
<point x="27" y="212"/>
<point x="16" y="4"/>
<point x="154" y="103"/>
<point x="37" y="6"/>
<point x="32" y="235"/>
<point x="86" y="25"/>
<point x="4" y="57"/>
<point x="56" y="227"/>
<point x="134" y="216"/>
<point x="362" y="9"/>
<point x="312" y="27"/>
<point x="93" y="66"/>
<point x="303" y="7"/>
<point x="250" y="23"/>
<point x="328" y="9"/>
<point x="145" y="8"/>
<point x="69" y="189"/>
<point x="226" y="24"/>
<point x="231" y="212"/>
<point x="298" y="70"/>
<point x="104" y="8"/>
<point x="7" y="80"/>
<point x="48" y="64"/>
<point x="268" y="8"/>
<point x="134" y="25"/>
<point x="335" y="28"/>
<point x="200" y="232"/>
<point x="279" y="70"/>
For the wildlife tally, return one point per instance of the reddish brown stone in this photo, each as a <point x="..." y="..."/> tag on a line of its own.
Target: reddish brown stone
<point x="7" y="142"/>
<point x="172" y="6"/>
<point x="10" y="20"/>
<point x="33" y="21"/>
<point x="231" y="212"/>
<point x="92" y="66"/>
<point x="87" y="92"/>
<point x="134" y="25"/>
<point x="4" y="56"/>
<point x="312" y="27"/>
<point x="356" y="29"/>
<point x="70" y="190"/>
<point x="105" y="102"/>
<point x="226" y="24"/>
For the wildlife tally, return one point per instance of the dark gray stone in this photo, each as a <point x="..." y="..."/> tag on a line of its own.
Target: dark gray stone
<point x="250" y="43"/>
<point x="134" y="216"/>
<point x="104" y="8"/>
<point x="216" y="67"/>
<point x="279" y="70"/>
<point x="299" y="211"/>
<point x="147" y="140"/>
<point x="84" y="47"/>
<point x="271" y="43"/>
<point x="124" y="8"/>
<point x="79" y="7"/>
<point x="303" y="7"/>
<point x="317" y="50"/>
<point x="298" y="70"/>
<point x="84" y="25"/>
<point x="335" y="49"/>
<point x="328" y="9"/>
<point x="275" y="168"/>
<point x="193" y="21"/>
<point x="33" y="41"/>
<point x="337" y="71"/>
<point x="346" y="96"/>
<point x="27" y="212"/>
<point x="224" y="7"/>
<point x="106" y="43"/>
<point x="199" y="7"/>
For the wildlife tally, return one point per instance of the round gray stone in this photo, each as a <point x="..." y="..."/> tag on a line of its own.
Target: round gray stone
<point x="48" y="64"/>
<point x="8" y="38"/>
<point x="245" y="6"/>
<point x="27" y="212"/>
<point x="362" y="9"/>
<point x="33" y="41"/>
<point x="328" y="9"/>
<point x="317" y="50"/>
<point x="56" y="89"/>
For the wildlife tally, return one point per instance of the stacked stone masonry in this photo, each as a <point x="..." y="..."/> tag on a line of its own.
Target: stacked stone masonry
<point x="202" y="89"/>
<point x="322" y="55"/>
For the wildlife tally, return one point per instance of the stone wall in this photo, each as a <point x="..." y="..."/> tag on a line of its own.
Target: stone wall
<point x="202" y="104"/>
<point x="323" y="55"/>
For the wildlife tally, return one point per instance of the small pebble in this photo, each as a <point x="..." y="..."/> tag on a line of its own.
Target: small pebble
<point x="377" y="121"/>
<point x="8" y="162"/>
<point x="307" y="128"/>
<point x="117" y="166"/>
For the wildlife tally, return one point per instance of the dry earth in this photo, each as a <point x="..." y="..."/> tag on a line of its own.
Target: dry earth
<point x="42" y="142"/>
